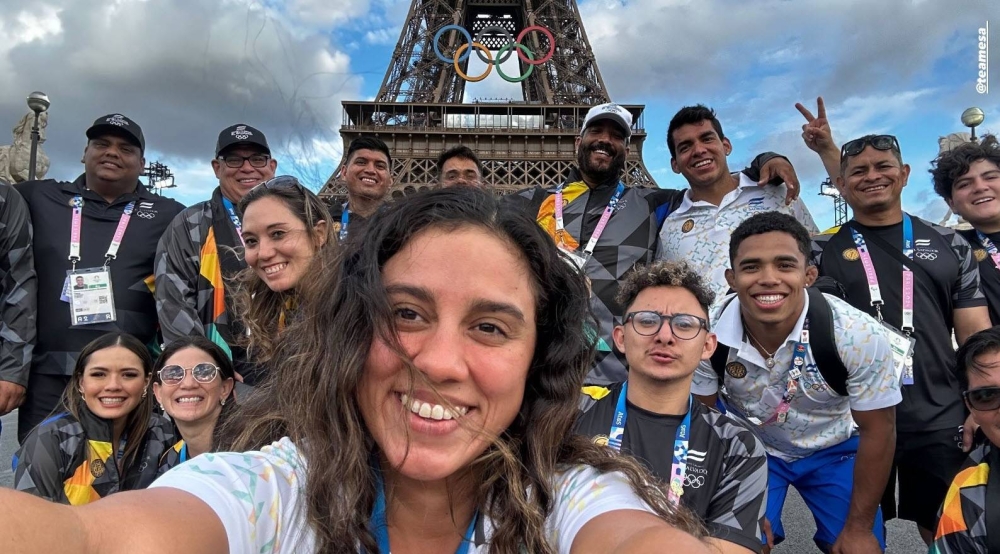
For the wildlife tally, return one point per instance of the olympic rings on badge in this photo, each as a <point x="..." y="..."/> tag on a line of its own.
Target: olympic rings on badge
<point x="489" y="64"/>
<point x="524" y="53"/>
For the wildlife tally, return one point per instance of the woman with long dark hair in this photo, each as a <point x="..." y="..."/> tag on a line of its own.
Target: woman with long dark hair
<point x="106" y="438"/>
<point x="194" y="381"/>
<point x="284" y="226"/>
<point x="425" y="404"/>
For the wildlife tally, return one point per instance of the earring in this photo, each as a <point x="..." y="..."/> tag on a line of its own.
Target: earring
<point x="222" y="402"/>
<point x="144" y="393"/>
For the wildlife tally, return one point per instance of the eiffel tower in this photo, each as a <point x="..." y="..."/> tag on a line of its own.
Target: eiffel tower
<point x="419" y="110"/>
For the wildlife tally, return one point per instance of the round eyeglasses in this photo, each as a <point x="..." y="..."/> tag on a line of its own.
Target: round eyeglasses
<point x="683" y="326"/>
<point x="202" y="373"/>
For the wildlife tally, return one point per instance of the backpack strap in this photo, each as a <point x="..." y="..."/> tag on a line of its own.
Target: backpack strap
<point x="720" y="357"/>
<point x="822" y="342"/>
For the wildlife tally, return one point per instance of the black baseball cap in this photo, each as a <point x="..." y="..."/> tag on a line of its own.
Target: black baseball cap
<point x="118" y="124"/>
<point x="241" y="133"/>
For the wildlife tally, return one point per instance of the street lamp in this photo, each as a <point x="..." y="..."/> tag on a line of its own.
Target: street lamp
<point x="38" y="103"/>
<point x="972" y="118"/>
<point x="828" y="189"/>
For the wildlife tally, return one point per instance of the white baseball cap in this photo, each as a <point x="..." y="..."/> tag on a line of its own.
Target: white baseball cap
<point x="611" y="111"/>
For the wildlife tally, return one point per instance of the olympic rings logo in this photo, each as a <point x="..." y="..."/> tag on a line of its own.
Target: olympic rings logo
<point x="523" y="52"/>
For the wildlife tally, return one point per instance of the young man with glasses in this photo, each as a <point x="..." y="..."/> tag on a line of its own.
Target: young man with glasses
<point x="200" y="249"/>
<point x="834" y="447"/>
<point x="968" y="178"/>
<point x="921" y="282"/>
<point x="970" y="516"/>
<point x="710" y="463"/>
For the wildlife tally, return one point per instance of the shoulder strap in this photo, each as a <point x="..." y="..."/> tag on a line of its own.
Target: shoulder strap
<point x="721" y="355"/>
<point x="823" y="343"/>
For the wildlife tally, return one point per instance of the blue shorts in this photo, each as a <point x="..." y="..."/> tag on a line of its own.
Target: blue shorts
<point x="824" y="479"/>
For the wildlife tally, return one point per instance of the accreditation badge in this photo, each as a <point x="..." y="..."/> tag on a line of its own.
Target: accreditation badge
<point x="575" y="259"/>
<point x="902" y="347"/>
<point x="90" y="296"/>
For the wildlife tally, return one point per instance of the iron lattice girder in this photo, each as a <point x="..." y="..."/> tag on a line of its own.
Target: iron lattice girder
<point x="521" y="145"/>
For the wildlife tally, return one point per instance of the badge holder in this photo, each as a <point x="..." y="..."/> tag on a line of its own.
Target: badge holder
<point x="902" y="346"/>
<point x="90" y="297"/>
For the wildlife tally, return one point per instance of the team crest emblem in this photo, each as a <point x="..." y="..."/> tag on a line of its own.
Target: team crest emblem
<point x="736" y="370"/>
<point x="852" y="255"/>
<point x="980" y="254"/>
<point x="601" y="440"/>
<point x="688" y="225"/>
<point x="97" y="468"/>
<point x="336" y="227"/>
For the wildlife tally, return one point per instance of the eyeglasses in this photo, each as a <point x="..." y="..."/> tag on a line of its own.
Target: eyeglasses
<point x="878" y="142"/>
<point x="683" y="326"/>
<point x="985" y="399"/>
<point x="203" y="373"/>
<point x="256" y="160"/>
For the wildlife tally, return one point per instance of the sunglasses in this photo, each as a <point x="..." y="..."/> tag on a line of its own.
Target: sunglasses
<point x="279" y="182"/>
<point x="878" y="142"/>
<point x="985" y="399"/>
<point x="203" y="373"/>
<point x="234" y="162"/>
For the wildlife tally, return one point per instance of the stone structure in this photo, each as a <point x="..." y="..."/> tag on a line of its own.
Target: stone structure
<point x="419" y="110"/>
<point x="15" y="157"/>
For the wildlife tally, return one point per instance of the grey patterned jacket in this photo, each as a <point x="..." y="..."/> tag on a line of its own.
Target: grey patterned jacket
<point x="18" y="288"/>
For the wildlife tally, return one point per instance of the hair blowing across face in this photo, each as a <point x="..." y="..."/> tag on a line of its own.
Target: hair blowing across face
<point x="312" y="395"/>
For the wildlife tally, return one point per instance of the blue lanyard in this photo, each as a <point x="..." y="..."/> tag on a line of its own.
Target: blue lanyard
<point x="678" y="467"/>
<point x="381" y="527"/>
<point x="233" y="217"/>
<point x="345" y="218"/>
<point x="184" y="453"/>
<point x="122" y="443"/>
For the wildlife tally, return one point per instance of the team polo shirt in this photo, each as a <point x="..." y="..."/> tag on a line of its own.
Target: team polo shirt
<point x="726" y="478"/>
<point x="131" y="272"/>
<point x="698" y="232"/>
<point x="818" y="417"/>
<point x="989" y="274"/>
<point x="934" y="401"/>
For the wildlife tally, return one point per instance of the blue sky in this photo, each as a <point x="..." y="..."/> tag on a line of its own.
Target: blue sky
<point x="185" y="69"/>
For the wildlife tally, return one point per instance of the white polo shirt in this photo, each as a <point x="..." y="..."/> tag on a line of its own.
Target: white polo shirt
<point x="698" y="232"/>
<point x="818" y="418"/>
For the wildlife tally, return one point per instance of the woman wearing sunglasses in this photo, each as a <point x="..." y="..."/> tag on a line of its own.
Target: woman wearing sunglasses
<point x="106" y="438"/>
<point x="284" y="226"/>
<point x="194" y="381"/>
<point x="970" y="516"/>
<point x="425" y="404"/>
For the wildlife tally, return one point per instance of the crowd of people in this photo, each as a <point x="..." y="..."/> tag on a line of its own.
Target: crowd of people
<point x="585" y="368"/>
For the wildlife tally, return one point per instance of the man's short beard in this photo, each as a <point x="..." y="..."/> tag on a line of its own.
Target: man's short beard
<point x="612" y="173"/>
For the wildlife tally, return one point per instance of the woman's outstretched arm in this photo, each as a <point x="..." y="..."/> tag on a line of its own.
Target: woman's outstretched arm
<point x="138" y="522"/>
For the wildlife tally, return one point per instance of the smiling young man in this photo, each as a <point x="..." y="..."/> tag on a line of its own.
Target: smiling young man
<point x="664" y="335"/>
<point x="116" y="222"/>
<point x="830" y="436"/>
<point x="968" y="178"/>
<point x="459" y="166"/>
<point x="717" y="201"/>
<point x="921" y="282"/>
<point x="607" y="227"/>
<point x="200" y="249"/>
<point x="368" y="176"/>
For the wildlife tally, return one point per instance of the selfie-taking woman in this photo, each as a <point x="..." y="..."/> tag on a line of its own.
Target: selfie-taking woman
<point x="284" y="226"/>
<point x="106" y="439"/>
<point x="194" y="380"/>
<point x="425" y="404"/>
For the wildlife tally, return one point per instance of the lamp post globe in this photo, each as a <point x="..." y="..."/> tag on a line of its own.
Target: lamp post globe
<point x="972" y="118"/>
<point x="38" y="102"/>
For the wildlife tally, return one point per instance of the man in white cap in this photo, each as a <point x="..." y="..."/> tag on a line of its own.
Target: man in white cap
<point x="606" y="227"/>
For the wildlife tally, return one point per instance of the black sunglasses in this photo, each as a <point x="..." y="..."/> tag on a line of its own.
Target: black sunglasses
<point x="279" y="182"/>
<point x="878" y="142"/>
<point x="233" y="161"/>
<point x="983" y="399"/>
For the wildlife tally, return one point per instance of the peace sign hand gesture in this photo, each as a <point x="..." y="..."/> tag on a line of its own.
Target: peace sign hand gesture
<point x="816" y="133"/>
